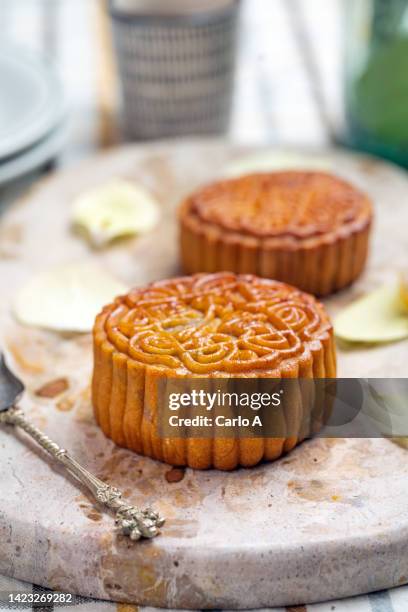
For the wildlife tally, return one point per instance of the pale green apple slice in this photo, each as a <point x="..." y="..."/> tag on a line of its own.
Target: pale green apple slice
<point x="380" y="316"/>
<point x="66" y="298"/>
<point x="116" y="209"/>
<point x="273" y="161"/>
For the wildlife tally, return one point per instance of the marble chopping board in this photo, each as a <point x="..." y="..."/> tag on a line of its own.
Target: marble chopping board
<point x="328" y="520"/>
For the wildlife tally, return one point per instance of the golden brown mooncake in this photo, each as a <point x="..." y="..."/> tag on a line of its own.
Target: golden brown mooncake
<point x="309" y="229"/>
<point x="206" y="325"/>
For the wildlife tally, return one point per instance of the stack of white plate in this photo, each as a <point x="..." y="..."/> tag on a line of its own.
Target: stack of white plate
<point x="32" y="113"/>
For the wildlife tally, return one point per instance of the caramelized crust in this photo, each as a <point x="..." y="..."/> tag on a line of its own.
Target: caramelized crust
<point x="211" y="325"/>
<point x="306" y="228"/>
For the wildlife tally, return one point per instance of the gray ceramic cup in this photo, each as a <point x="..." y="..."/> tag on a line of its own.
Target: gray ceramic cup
<point x="176" y="71"/>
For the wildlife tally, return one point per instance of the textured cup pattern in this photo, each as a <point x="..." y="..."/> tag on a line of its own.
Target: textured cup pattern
<point x="177" y="74"/>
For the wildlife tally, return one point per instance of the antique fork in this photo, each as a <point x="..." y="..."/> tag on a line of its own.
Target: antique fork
<point x="130" y="521"/>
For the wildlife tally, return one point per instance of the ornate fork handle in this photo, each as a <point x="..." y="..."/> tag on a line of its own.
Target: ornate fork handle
<point x="130" y="520"/>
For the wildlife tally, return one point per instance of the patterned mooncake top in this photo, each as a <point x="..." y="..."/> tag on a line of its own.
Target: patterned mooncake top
<point x="296" y="204"/>
<point x="214" y="323"/>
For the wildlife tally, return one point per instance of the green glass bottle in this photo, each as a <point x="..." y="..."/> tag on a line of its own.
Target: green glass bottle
<point x="377" y="77"/>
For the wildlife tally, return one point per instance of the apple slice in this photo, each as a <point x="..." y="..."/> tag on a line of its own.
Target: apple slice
<point x="113" y="210"/>
<point x="66" y="298"/>
<point x="380" y="316"/>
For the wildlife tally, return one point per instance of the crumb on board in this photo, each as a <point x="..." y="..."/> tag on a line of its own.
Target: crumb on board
<point x="174" y="475"/>
<point x="53" y="388"/>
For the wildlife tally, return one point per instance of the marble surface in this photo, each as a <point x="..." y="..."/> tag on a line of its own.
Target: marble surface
<point x="328" y="520"/>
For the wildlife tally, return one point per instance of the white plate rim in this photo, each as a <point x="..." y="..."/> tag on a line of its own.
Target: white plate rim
<point x="52" y="111"/>
<point x="34" y="157"/>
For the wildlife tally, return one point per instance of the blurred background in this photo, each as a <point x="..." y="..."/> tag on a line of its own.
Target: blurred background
<point x="269" y="72"/>
<point x="275" y="99"/>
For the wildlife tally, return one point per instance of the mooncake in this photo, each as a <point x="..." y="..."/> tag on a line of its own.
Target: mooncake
<point x="309" y="229"/>
<point x="218" y="326"/>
